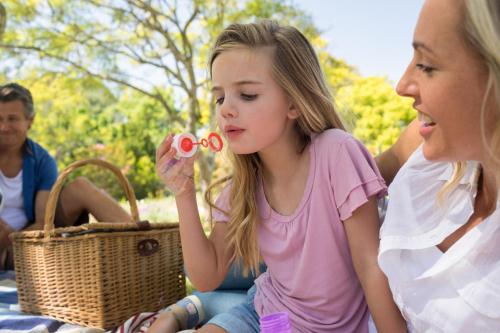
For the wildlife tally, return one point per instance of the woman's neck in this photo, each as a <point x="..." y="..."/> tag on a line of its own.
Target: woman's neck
<point x="488" y="189"/>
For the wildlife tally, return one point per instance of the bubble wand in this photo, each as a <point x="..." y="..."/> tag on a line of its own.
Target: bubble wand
<point x="186" y="144"/>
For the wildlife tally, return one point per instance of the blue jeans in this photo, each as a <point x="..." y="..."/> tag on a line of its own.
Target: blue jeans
<point x="241" y="318"/>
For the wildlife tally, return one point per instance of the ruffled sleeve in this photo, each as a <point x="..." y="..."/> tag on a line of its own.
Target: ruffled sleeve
<point x="355" y="177"/>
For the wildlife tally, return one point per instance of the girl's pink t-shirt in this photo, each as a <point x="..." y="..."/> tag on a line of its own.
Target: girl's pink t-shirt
<point x="310" y="273"/>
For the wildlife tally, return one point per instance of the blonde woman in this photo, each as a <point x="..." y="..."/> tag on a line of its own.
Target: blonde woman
<point x="440" y="241"/>
<point x="302" y="194"/>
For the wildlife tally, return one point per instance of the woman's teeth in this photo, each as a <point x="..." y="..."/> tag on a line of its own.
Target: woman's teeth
<point x="426" y="120"/>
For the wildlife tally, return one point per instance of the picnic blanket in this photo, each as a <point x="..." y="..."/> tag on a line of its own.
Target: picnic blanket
<point x="12" y="320"/>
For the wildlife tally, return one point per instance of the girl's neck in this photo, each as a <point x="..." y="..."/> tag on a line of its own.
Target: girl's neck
<point x="283" y="165"/>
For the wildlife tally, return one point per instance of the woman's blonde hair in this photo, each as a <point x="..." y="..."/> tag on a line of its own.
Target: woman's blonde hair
<point x="481" y="29"/>
<point x="297" y="70"/>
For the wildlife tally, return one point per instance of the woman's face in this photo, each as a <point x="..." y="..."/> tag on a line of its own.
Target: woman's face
<point x="447" y="80"/>
<point x="14" y="125"/>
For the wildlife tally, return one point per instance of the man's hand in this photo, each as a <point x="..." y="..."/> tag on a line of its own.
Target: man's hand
<point x="5" y="245"/>
<point x="5" y="231"/>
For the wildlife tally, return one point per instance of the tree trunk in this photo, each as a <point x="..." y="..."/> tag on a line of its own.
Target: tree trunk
<point x="3" y="20"/>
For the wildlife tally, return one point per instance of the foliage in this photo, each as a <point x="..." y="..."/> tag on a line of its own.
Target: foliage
<point x="3" y="20"/>
<point x="147" y="46"/>
<point x="111" y="78"/>
<point x="78" y="118"/>
<point x="375" y="111"/>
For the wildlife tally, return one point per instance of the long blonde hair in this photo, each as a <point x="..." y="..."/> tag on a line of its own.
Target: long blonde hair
<point x="481" y="29"/>
<point x="297" y="70"/>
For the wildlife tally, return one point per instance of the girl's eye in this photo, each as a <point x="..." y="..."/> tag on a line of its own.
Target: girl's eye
<point x="426" y="69"/>
<point x="219" y="100"/>
<point x="248" y="97"/>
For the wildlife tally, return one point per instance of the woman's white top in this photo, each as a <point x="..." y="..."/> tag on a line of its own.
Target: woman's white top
<point x="455" y="291"/>
<point x="13" y="206"/>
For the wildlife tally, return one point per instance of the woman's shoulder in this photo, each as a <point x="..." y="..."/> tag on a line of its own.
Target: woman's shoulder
<point x="416" y="215"/>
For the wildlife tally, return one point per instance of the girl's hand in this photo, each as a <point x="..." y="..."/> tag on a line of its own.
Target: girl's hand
<point x="177" y="175"/>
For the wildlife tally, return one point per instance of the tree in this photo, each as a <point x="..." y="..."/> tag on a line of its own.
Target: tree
<point x="155" y="47"/>
<point x="375" y="112"/>
<point x="86" y="121"/>
<point x="3" y="20"/>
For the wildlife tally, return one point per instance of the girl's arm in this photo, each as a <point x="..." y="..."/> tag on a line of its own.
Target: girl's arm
<point x="206" y="259"/>
<point x="390" y="161"/>
<point x="362" y="230"/>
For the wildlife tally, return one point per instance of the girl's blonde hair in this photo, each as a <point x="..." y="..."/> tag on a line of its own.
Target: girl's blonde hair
<point x="481" y="29"/>
<point x="297" y="70"/>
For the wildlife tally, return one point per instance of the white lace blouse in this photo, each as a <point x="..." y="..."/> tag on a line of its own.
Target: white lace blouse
<point x="455" y="291"/>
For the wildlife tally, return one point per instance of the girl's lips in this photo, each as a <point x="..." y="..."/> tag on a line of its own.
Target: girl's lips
<point x="233" y="133"/>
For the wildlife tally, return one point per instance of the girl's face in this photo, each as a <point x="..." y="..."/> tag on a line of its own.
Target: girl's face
<point x="447" y="80"/>
<point x="14" y="125"/>
<point x="253" y="112"/>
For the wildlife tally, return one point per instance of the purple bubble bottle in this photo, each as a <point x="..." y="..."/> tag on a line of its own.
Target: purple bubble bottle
<point x="275" y="323"/>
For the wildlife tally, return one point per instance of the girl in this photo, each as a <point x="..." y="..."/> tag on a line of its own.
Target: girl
<point x="302" y="195"/>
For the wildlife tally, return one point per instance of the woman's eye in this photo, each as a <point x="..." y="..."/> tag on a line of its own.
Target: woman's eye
<point x="248" y="97"/>
<point x="219" y="100"/>
<point x="426" y="69"/>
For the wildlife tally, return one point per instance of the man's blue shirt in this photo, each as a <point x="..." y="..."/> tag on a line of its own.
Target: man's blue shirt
<point x="39" y="174"/>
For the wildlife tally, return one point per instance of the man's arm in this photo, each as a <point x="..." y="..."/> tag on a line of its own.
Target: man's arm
<point x="390" y="161"/>
<point x="40" y="204"/>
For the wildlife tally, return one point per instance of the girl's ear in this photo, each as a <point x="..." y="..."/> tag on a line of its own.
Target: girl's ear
<point x="292" y="111"/>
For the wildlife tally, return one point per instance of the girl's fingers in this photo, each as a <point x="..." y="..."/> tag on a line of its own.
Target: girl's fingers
<point x="164" y="146"/>
<point x="163" y="159"/>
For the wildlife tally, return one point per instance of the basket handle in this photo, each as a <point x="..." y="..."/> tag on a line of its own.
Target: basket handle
<point x="50" y="210"/>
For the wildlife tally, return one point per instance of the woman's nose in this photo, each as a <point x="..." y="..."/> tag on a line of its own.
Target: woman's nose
<point x="407" y="86"/>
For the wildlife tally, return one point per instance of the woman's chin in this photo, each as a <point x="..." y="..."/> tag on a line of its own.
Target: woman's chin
<point x="433" y="153"/>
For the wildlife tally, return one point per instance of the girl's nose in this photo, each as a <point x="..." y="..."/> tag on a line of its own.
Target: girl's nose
<point x="227" y="109"/>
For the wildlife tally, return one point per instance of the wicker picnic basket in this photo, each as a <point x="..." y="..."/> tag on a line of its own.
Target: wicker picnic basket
<point x="98" y="274"/>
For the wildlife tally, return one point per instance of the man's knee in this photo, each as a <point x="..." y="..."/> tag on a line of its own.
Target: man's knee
<point x="78" y="188"/>
<point x="80" y="183"/>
